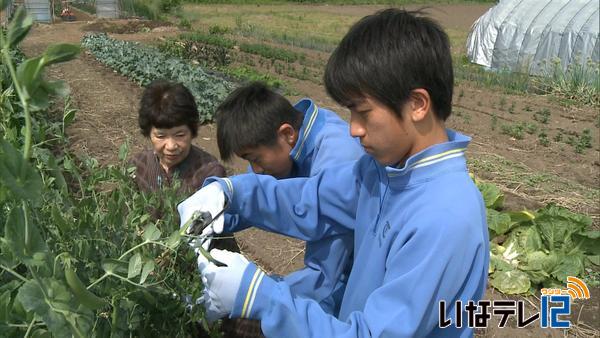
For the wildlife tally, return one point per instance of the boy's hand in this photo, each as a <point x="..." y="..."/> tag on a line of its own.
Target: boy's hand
<point x="211" y="199"/>
<point x="221" y="284"/>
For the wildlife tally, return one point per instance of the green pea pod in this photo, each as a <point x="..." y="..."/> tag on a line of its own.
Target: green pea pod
<point x="85" y="297"/>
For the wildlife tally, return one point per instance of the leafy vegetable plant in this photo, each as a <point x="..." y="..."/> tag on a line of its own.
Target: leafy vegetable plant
<point x="537" y="248"/>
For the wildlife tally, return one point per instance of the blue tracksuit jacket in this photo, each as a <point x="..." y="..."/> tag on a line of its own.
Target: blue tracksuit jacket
<point x="324" y="141"/>
<point x="420" y="237"/>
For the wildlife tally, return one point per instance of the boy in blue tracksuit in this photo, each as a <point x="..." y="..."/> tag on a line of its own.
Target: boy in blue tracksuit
<point x="419" y="224"/>
<point x="281" y="140"/>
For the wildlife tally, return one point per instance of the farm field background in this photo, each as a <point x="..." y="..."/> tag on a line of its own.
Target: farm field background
<point x="538" y="148"/>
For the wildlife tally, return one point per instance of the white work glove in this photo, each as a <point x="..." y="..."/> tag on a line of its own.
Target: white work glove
<point x="221" y="284"/>
<point x="211" y="198"/>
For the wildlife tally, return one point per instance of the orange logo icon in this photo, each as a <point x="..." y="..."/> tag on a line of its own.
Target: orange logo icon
<point x="577" y="288"/>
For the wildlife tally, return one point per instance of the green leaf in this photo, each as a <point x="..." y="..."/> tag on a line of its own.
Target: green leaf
<point x="521" y="217"/>
<point x="32" y="250"/>
<point x="4" y="3"/>
<point x="588" y="242"/>
<point x="594" y="260"/>
<point x="569" y="265"/>
<point x="151" y="233"/>
<point x="556" y="225"/>
<point x="123" y="150"/>
<point x="41" y="94"/>
<point x="148" y="268"/>
<point x="59" y="220"/>
<point x="19" y="175"/>
<point x="29" y="73"/>
<point x="59" y="181"/>
<point x="538" y="265"/>
<point x="60" y="53"/>
<point x="492" y="195"/>
<point x="114" y="266"/>
<point x="68" y="117"/>
<point x="57" y="88"/>
<point x="4" y="306"/>
<point x="524" y="239"/>
<point x="19" y="27"/>
<point x="135" y="266"/>
<point x="497" y="263"/>
<point x="510" y="282"/>
<point x="499" y="222"/>
<point x="34" y="300"/>
<point x="173" y="240"/>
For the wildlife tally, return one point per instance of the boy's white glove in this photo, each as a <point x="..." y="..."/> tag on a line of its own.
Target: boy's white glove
<point x="211" y="198"/>
<point x="221" y="284"/>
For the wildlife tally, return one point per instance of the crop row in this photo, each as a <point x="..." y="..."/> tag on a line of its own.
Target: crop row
<point x="144" y="64"/>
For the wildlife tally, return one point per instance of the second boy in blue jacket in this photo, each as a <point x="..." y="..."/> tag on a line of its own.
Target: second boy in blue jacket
<point x="285" y="141"/>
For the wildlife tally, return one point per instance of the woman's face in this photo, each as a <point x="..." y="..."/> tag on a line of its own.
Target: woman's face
<point x="171" y="145"/>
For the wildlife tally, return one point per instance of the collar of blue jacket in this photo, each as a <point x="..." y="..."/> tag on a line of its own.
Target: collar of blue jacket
<point x="438" y="158"/>
<point x="311" y="124"/>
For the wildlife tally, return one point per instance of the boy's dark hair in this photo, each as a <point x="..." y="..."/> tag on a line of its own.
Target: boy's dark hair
<point x="166" y="104"/>
<point x="250" y="117"/>
<point x="389" y="54"/>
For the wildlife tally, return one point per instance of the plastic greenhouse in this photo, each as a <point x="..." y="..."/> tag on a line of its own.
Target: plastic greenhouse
<point x="531" y="36"/>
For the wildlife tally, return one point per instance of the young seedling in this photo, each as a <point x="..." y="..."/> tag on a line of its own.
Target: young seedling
<point x="584" y="141"/>
<point x="542" y="116"/>
<point x="543" y="139"/>
<point x="502" y="103"/>
<point x="494" y="121"/>
<point x="558" y="137"/>
<point x="531" y="128"/>
<point x="511" y="109"/>
<point x="515" y="131"/>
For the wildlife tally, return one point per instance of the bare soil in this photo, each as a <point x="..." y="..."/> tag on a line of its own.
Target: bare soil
<point x="107" y="106"/>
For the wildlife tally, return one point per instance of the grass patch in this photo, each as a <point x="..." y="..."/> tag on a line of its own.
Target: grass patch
<point x="211" y="39"/>
<point x="248" y="74"/>
<point x="579" y="82"/>
<point x="150" y="9"/>
<point x="299" y="26"/>
<point x="272" y="52"/>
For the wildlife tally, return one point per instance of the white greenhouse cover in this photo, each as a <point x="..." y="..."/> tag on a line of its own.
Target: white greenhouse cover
<point x="529" y="35"/>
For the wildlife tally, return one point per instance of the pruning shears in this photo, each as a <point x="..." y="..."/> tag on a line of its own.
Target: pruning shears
<point x="200" y="221"/>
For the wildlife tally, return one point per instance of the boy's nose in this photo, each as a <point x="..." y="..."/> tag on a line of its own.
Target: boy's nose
<point x="356" y="129"/>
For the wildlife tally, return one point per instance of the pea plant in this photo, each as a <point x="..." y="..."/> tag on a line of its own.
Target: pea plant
<point x="82" y="252"/>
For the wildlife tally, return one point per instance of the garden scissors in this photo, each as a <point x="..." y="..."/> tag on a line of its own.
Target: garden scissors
<point x="201" y="220"/>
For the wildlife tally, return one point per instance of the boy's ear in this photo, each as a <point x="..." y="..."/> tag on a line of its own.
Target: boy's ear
<point x="288" y="134"/>
<point x="420" y="104"/>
